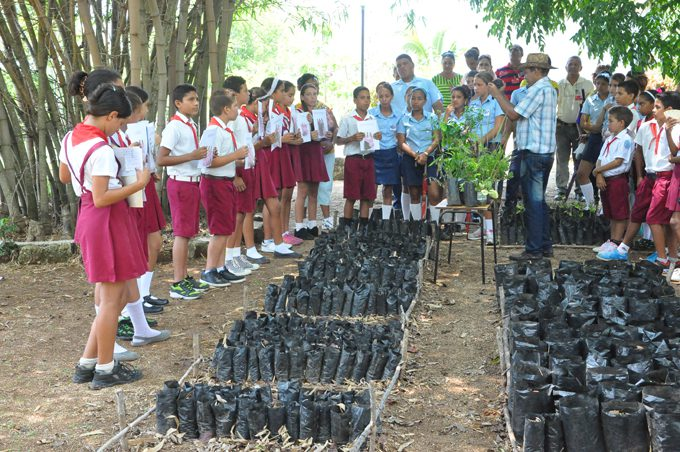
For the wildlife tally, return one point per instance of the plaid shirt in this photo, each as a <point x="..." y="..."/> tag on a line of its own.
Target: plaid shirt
<point x="538" y="110"/>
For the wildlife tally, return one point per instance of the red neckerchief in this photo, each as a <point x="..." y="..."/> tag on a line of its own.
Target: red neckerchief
<point x="83" y="132"/>
<point x="642" y="121"/>
<point x="215" y="122"/>
<point x="251" y="118"/>
<point x="606" y="149"/>
<point x="124" y="140"/>
<point x="285" y="111"/>
<point x="655" y="136"/>
<point x="189" y="124"/>
<point x="359" y="118"/>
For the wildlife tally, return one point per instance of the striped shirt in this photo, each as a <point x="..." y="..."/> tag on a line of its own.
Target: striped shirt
<point x="444" y="86"/>
<point x="511" y="79"/>
<point x="536" y="128"/>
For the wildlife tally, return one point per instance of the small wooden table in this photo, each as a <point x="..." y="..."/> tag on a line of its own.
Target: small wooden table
<point x="450" y="211"/>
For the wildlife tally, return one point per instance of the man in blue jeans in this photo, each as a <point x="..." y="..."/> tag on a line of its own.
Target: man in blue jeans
<point x="535" y="117"/>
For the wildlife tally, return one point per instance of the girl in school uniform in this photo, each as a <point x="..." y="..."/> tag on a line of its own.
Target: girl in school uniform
<point x="460" y="99"/>
<point x="673" y="200"/>
<point x="312" y="167"/>
<point x="645" y="107"/>
<point x="114" y="260"/>
<point x="386" y="160"/>
<point x="418" y="136"/>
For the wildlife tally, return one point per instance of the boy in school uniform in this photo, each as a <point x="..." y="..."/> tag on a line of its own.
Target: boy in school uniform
<point x="179" y="151"/>
<point x="218" y="194"/>
<point x="359" y="181"/>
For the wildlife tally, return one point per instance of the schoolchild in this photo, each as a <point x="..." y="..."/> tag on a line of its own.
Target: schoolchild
<point x="218" y="195"/>
<point x="386" y="160"/>
<point x="109" y="243"/>
<point x="292" y="140"/>
<point x="673" y="200"/>
<point x="359" y="183"/>
<point x="180" y="153"/>
<point x="645" y="107"/>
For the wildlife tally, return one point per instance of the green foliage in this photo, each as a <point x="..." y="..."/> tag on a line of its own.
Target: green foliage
<point x="640" y="33"/>
<point x="427" y="55"/>
<point x="7" y="245"/>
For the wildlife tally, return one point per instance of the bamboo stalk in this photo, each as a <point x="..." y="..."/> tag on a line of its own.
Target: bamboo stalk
<point x="84" y="12"/>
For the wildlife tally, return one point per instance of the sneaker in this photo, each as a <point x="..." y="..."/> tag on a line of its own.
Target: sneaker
<point x="213" y="279"/>
<point x="303" y="234"/>
<point x="127" y="355"/>
<point x="289" y="255"/>
<point x="314" y="231"/>
<point x="122" y="373"/>
<point x="162" y="335"/>
<point x="652" y="257"/>
<point x="155" y="300"/>
<point x="675" y="277"/>
<point x="125" y="330"/>
<point x="230" y="277"/>
<point x="197" y="285"/>
<point x="83" y="374"/>
<point x="267" y="247"/>
<point x="290" y="239"/>
<point x="613" y="255"/>
<point x="327" y="224"/>
<point x="475" y="235"/>
<point x="151" y="309"/>
<point x="525" y="256"/>
<point x="245" y="263"/>
<point x="258" y="260"/>
<point x="664" y="265"/>
<point x="184" y="291"/>
<point x="234" y="266"/>
<point x="606" y="246"/>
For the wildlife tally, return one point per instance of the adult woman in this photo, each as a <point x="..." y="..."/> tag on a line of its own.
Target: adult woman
<point x="447" y="79"/>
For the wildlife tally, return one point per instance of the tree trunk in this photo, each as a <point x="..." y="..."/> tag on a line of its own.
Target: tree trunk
<point x="215" y="79"/>
<point x="181" y="44"/>
<point x="226" y="22"/>
<point x="161" y="64"/>
<point x="84" y="13"/>
<point x="42" y="180"/>
<point x="8" y="181"/>
<point x="136" y="49"/>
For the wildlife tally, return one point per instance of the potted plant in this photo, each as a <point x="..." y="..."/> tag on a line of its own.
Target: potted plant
<point x="485" y="171"/>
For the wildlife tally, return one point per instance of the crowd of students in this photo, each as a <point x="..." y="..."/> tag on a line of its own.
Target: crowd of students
<point x="263" y="145"/>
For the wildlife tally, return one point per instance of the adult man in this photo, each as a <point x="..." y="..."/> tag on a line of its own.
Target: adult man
<point x="535" y="130"/>
<point x="405" y="67"/>
<point x="510" y="74"/>
<point x="572" y="93"/>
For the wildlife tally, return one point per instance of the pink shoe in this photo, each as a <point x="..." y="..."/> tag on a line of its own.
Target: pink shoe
<point x="290" y="239"/>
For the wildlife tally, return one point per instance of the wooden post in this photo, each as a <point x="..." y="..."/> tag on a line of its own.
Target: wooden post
<point x="197" y="352"/>
<point x="122" y="416"/>
<point x="374" y="416"/>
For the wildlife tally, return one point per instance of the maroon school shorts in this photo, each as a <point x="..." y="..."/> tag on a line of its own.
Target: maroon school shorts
<point x="184" y="198"/>
<point x="658" y="213"/>
<point x="245" y="200"/>
<point x="219" y="201"/>
<point x="615" y="198"/>
<point x="359" y="178"/>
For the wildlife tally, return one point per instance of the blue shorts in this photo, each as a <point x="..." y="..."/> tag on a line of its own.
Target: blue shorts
<point x="387" y="167"/>
<point x="412" y="174"/>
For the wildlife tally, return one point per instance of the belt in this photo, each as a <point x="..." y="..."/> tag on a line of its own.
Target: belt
<point x="654" y="174"/>
<point x="186" y="178"/>
<point x="570" y="124"/>
<point x="210" y="176"/>
<point x="618" y="176"/>
<point x="360" y="156"/>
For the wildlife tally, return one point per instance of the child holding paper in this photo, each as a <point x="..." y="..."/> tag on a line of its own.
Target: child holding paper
<point x="312" y="166"/>
<point x="217" y="188"/>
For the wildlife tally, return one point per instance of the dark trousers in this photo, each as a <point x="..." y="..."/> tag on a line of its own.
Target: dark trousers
<point x="534" y="173"/>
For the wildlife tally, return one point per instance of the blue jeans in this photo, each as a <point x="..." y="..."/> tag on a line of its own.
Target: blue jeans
<point x="534" y="173"/>
<point x="514" y="182"/>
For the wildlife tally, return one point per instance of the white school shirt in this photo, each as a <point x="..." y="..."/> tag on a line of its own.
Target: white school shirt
<point x="617" y="147"/>
<point x="181" y="139"/>
<point x="348" y="127"/>
<point x="226" y="144"/>
<point x="120" y="139"/>
<point x="632" y="127"/>
<point x="102" y="162"/>
<point x="654" y="143"/>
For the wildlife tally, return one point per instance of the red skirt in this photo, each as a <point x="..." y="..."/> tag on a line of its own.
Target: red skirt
<point x="312" y="162"/>
<point x="153" y="212"/>
<point x="109" y="242"/>
<point x="263" y="185"/>
<point x="246" y="200"/>
<point x="281" y="166"/>
<point x="295" y="161"/>
<point x="139" y="218"/>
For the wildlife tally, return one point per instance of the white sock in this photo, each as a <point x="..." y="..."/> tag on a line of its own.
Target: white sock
<point x="311" y="224"/>
<point x="124" y="312"/>
<point x="148" y="277"/>
<point x="117" y="348"/>
<point x="87" y="363"/>
<point x="405" y="205"/>
<point x="329" y="219"/>
<point x="300" y="226"/>
<point x="267" y="241"/>
<point x="646" y="231"/>
<point x="96" y="309"/>
<point x="235" y="252"/>
<point x="386" y="212"/>
<point x="459" y="217"/>
<point x="416" y="213"/>
<point x="139" y="323"/>
<point x="252" y="253"/>
<point x="281" y="248"/>
<point x="623" y="248"/>
<point x="370" y="212"/>
<point x="588" y="193"/>
<point x="434" y="214"/>
<point x="488" y="225"/>
<point x="228" y="256"/>
<point x="104" y="368"/>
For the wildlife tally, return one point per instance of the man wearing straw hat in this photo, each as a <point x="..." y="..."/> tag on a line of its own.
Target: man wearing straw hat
<point x="535" y="130"/>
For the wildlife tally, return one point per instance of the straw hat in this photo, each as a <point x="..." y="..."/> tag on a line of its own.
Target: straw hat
<point x="539" y="60"/>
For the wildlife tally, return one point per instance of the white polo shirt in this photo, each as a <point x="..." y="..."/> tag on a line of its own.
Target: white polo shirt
<point x="181" y="137"/>
<point x="226" y="144"/>
<point x="348" y="127"/>
<point x="652" y="139"/>
<point x="617" y="147"/>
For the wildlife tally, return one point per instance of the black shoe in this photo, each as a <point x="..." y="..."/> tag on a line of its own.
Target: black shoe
<point x="229" y="277"/>
<point x="155" y="301"/>
<point x="524" y="256"/>
<point x="214" y="278"/>
<point x="83" y="374"/>
<point x="121" y="374"/>
<point x="550" y="253"/>
<point x="314" y="231"/>
<point x="291" y="255"/>
<point x="303" y="234"/>
<point x="151" y="309"/>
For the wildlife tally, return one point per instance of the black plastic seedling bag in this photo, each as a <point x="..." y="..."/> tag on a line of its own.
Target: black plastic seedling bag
<point x="554" y="435"/>
<point x="308" y="420"/>
<point x="643" y="309"/>
<point x="166" y="407"/>
<point x="315" y="301"/>
<point x="296" y="369"/>
<point x="224" y="410"/>
<point x="276" y="418"/>
<point x="664" y="427"/>
<point x="529" y="401"/>
<point x="327" y="301"/>
<point x="314" y="364"/>
<point x="224" y="370"/>
<point x="281" y="364"/>
<point x="266" y="362"/>
<point x="392" y="362"/>
<point x="361" y="363"/>
<point x="625" y="427"/>
<point x="186" y="408"/>
<point x="253" y="365"/>
<point x="302" y="300"/>
<point x="257" y="418"/>
<point x="392" y="304"/>
<point x="617" y="391"/>
<point x="323" y="414"/>
<point x="240" y="363"/>
<point x="581" y="423"/>
<point x="244" y="404"/>
<point x="349" y="300"/>
<point x="341" y="424"/>
<point x="338" y="301"/>
<point x="293" y="420"/>
<point x="361" y="416"/>
<point x="330" y="363"/>
<point x="597" y="375"/>
<point x="534" y="433"/>
<point x="345" y="364"/>
<point x="377" y="367"/>
<point x="502" y="273"/>
<point x="204" y="414"/>
<point x="270" y="297"/>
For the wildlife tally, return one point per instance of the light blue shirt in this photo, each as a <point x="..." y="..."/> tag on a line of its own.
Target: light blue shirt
<point x="594" y="105"/>
<point x="490" y="111"/>
<point x="518" y="94"/>
<point x="399" y="87"/>
<point x="418" y="133"/>
<point x="387" y="126"/>
<point x="538" y="110"/>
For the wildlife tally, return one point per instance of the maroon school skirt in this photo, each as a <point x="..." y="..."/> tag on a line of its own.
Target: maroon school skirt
<point x="295" y="161"/>
<point x="281" y="166"/>
<point x="312" y="163"/>
<point x="263" y="184"/>
<point x="109" y="242"/>
<point x="153" y="212"/>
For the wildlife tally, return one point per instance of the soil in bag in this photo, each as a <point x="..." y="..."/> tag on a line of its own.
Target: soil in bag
<point x="276" y="419"/>
<point x="581" y="423"/>
<point x="341" y="424"/>
<point x="257" y="418"/>
<point x="625" y="427"/>
<point x="534" y="433"/>
<point x="166" y="407"/>
<point x="186" y="408"/>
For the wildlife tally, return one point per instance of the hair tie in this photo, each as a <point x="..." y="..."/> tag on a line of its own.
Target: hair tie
<point x="271" y="89"/>
<point x="651" y="94"/>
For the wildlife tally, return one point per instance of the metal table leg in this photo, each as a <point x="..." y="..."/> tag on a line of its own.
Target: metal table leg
<point x="482" y="244"/>
<point x="436" y="257"/>
<point x="493" y="223"/>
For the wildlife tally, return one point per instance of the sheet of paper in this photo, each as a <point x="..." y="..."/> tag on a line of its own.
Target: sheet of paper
<point x="130" y="160"/>
<point x="260" y="120"/>
<point x="151" y="151"/>
<point x="144" y="133"/>
<point x="302" y="126"/>
<point x="275" y="125"/>
<point x="369" y="128"/>
<point x="320" y="118"/>
<point x="209" y="141"/>
<point x="250" y="158"/>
